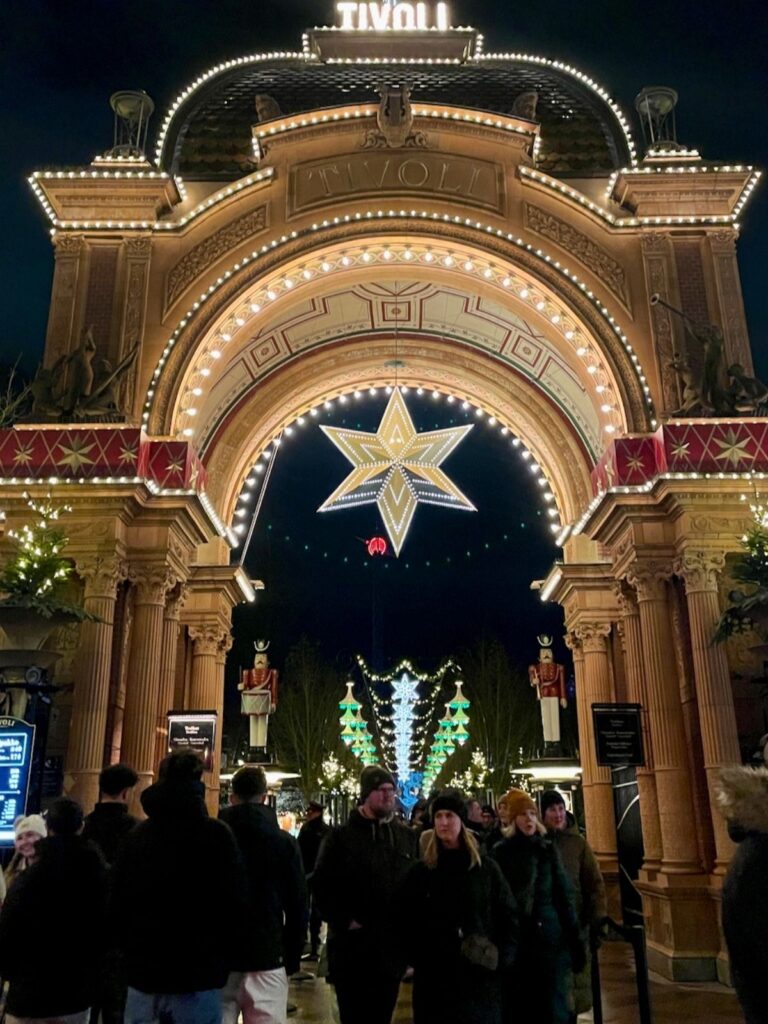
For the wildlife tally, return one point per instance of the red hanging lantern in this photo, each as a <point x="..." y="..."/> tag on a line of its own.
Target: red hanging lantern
<point x="376" y="546"/>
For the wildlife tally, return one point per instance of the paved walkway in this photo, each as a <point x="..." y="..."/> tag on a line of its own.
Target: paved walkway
<point x="671" y="1003"/>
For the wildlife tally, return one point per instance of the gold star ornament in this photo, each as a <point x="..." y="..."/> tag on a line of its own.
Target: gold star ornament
<point x="396" y="469"/>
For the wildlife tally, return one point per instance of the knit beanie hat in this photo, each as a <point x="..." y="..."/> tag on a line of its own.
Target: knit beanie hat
<point x="517" y="802"/>
<point x="550" y="798"/>
<point x="373" y="776"/>
<point x="448" y="801"/>
<point x="30" y="823"/>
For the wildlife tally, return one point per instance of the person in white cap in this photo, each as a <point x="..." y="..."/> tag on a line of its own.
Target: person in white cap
<point x="28" y="830"/>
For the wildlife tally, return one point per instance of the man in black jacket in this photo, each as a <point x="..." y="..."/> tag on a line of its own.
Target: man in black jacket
<point x="177" y="899"/>
<point x="359" y="870"/>
<point x="109" y="822"/>
<point x="311" y="835"/>
<point x="274" y="916"/>
<point x="53" y="922"/>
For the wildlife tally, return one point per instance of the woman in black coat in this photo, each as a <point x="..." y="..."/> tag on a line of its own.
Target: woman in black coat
<point x="458" y="925"/>
<point x="539" y="988"/>
<point x="743" y="798"/>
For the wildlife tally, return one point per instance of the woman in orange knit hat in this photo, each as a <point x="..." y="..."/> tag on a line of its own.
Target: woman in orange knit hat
<point x="540" y="985"/>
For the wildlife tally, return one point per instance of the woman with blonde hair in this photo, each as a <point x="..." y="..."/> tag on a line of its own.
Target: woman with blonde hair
<point x="539" y="988"/>
<point x="459" y="925"/>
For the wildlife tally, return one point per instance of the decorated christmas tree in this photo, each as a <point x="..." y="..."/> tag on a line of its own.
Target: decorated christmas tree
<point x="35" y="574"/>
<point x="748" y="608"/>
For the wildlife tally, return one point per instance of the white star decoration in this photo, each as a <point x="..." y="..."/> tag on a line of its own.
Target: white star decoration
<point x="396" y="469"/>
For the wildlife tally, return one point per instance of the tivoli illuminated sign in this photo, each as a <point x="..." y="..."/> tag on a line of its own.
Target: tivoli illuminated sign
<point x="399" y="17"/>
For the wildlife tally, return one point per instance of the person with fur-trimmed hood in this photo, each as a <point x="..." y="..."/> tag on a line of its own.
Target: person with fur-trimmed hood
<point x="459" y="924"/>
<point x="540" y="985"/>
<point x="743" y="799"/>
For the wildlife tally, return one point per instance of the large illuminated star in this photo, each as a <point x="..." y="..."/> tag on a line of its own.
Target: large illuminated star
<point x="396" y="469"/>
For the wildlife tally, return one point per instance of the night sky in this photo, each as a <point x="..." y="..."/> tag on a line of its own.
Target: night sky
<point x="62" y="61"/>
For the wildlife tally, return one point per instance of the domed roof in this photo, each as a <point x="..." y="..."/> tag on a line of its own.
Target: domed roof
<point x="209" y="135"/>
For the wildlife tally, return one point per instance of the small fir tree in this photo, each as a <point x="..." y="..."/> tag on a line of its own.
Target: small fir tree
<point x="33" y="577"/>
<point x="751" y="570"/>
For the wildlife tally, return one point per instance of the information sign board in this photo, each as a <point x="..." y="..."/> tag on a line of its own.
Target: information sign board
<point x="17" y="740"/>
<point x="193" y="730"/>
<point x="618" y="735"/>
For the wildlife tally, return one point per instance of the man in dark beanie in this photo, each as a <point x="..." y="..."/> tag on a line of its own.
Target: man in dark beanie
<point x="359" y="869"/>
<point x="586" y="880"/>
<point x="61" y="899"/>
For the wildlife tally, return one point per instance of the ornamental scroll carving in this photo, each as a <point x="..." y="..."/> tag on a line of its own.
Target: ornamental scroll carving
<point x="593" y="256"/>
<point x="206" y="253"/>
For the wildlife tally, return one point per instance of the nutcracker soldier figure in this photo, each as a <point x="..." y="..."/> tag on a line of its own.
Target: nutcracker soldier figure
<point x="259" y="699"/>
<point x="549" y="680"/>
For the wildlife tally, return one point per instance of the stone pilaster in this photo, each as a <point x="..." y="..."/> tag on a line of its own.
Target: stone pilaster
<point x="168" y="668"/>
<point x="722" y="245"/>
<point x="209" y="646"/>
<point x="596" y="781"/>
<point x="152" y="581"/>
<point x="719" y="734"/>
<point x="69" y="251"/>
<point x="673" y="788"/>
<point x="85" y="750"/>
<point x="646" y="780"/>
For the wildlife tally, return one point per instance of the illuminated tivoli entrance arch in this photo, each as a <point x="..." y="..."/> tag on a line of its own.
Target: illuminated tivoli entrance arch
<point x="481" y="227"/>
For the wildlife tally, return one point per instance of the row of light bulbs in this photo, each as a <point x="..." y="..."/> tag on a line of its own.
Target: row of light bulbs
<point x="243" y="509"/>
<point x="486" y="270"/>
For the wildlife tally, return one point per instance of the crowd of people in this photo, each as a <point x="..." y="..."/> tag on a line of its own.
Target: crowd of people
<point x="188" y="919"/>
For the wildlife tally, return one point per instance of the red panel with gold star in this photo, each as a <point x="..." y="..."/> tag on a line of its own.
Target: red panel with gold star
<point x="70" y="453"/>
<point x="98" y="453"/>
<point x="719" y="446"/>
<point x="175" y="465"/>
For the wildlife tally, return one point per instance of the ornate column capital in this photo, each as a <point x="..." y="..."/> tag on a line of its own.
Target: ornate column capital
<point x="152" y="580"/>
<point x="101" y="575"/>
<point x="573" y="643"/>
<point x="700" y="570"/>
<point x="649" y="579"/>
<point x="594" y="636"/>
<point x="209" y="639"/>
<point x="65" y="244"/>
<point x="175" y="601"/>
<point x="626" y="597"/>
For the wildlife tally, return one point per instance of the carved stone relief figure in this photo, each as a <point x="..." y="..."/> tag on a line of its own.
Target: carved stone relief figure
<point x="395" y="121"/>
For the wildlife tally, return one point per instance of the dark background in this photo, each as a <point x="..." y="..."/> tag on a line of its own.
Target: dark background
<point x="63" y="59"/>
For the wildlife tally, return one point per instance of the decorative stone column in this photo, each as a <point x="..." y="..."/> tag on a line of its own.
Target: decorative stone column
<point x="152" y="582"/>
<point x="207" y="691"/>
<point x="596" y="781"/>
<point x="168" y="668"/>
<point x="85" y="750"/>
<point x="719" y="733"/>
<point x="646" y="780"/>
<point x="673" y="789"/>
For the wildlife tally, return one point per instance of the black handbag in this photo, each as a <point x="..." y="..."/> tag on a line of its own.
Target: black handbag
<point x="480" y="952"/>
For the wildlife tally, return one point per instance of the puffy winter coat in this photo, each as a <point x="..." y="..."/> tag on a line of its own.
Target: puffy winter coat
<point x="52" y="929"/>
<point x="743" y="798"/>
<point x="440" y="906"/>
<point x="359" y="871"/>
<point x="178" y="895"/>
